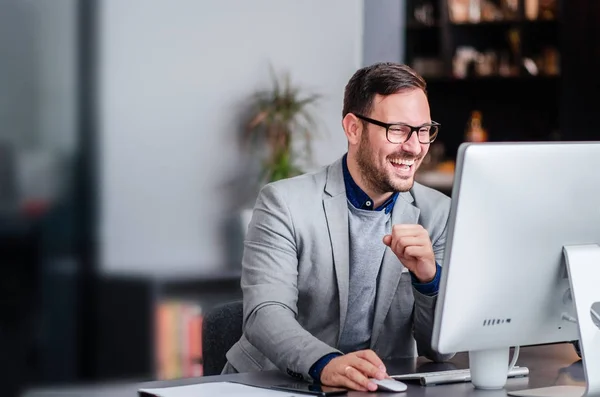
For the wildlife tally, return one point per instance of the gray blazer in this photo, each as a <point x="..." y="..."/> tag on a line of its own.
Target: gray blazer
<point x="295" y="277"/>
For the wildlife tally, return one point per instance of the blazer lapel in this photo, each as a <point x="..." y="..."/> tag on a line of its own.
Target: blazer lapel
<point x="336" y="212"/>
<point x="391" y="267"/>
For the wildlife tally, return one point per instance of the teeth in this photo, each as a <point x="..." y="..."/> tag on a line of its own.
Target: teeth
<point x="403" y="162"/>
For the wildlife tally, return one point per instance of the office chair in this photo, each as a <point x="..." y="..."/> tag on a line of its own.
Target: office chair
<point x="221" y="329"/>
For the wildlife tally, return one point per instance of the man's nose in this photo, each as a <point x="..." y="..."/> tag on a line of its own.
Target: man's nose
<point x="412" y="145"/>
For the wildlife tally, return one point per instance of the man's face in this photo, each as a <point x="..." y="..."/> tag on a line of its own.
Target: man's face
<point x="385" y="166"/>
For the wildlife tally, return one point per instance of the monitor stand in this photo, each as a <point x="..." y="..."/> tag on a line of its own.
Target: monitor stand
<point x="583" y="266"/>
<point x="489" y="368"/>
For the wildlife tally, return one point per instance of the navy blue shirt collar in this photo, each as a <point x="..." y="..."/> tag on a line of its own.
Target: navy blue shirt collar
<point x="358" y="198"/>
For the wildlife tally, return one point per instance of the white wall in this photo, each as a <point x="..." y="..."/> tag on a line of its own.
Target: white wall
<point x="384" y="31"/>
<point x="173" y="77"/>
<point x="57" y="47"/>
<point x="18" y="74"/>
<point x="38" y="91"/>
<point x="37" y="73"/>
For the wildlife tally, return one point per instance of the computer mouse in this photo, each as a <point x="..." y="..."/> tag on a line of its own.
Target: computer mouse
<point x="389" y="384"/>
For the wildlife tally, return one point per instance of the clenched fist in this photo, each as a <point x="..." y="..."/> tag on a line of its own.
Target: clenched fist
<point x="412" y="246"/>
<point x="353" y="371"/>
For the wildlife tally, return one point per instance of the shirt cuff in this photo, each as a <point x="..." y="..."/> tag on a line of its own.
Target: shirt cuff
<point x="317" y="368"/>
<point x="431" y="288"/>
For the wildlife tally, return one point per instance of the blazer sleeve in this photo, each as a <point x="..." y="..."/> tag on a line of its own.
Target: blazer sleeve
<point x="269" y="285"/>
<point x="424" y="310"/>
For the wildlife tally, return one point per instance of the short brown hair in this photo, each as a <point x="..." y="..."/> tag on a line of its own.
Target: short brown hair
<point x="384" y="78"/>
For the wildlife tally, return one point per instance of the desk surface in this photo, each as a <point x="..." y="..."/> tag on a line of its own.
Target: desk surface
<point x="549" y="365"/>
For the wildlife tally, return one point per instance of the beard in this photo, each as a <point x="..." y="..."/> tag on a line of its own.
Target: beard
<point x="379" y="179"/>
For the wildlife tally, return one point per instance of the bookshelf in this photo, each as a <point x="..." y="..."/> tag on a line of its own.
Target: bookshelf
<point x="157" y="322"/>
<point x="180" y="306"/>
<point x="560" y="105"/>
<point x="499" y="57"/>
<point x="463" y="39"/>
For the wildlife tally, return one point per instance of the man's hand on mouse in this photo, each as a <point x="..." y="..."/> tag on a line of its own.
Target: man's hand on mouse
<point x="353" y="371"/>
<point x="412" y="246"/>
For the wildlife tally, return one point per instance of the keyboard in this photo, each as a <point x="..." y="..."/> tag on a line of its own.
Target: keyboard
<point x="452" y="376"/>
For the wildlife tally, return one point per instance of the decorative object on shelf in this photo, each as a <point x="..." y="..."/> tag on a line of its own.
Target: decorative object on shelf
<point x="548" y="9"/>
<point x="490" y="12"/>
<point x="446" y="167"/>
<point x="475" y="131"/>
<point x="468" y="62"/>
<point x="504" y="67"/>
<point x="281" y="116"/>
<point x="510" y="9"/>
<point x="477" y="11"/>
<point x="428" y="67"/>
<point x="551" y="61"/>
<point x="424" y="13"/>
<point x="532" y="8"/>
<point x="486" y="64"/>
<point x="514" y="42"/>
<point x="474" y="11"/>
<point x="463" y="59"/>
<point x="530" y="66"/>
<point x="459" y="10"/>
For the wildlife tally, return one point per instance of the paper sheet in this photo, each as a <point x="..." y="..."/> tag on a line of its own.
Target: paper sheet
<point x="221" y="389"/>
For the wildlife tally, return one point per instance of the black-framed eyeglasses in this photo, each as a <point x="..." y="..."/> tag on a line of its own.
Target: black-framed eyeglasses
<point x="400" y="132"/>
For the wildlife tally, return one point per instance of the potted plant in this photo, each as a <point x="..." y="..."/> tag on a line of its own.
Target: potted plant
<point x="281" y="117"/>
<point x="280" y="129"/>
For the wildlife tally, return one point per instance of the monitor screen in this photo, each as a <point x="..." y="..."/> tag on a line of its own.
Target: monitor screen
<point x="515" y="206"/>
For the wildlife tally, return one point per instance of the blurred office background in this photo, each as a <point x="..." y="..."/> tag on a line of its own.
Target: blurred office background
<point x="123" y="180"/>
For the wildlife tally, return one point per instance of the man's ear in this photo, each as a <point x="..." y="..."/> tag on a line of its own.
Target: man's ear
<point x="353" y="128"/>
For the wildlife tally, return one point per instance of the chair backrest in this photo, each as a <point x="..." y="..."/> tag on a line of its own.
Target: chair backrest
<point x="221" y="329"/>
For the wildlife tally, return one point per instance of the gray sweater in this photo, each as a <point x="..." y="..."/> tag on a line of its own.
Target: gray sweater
<point x="366" y="229"/>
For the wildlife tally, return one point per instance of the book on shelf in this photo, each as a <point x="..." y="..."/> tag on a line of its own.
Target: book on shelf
<point x="178" y="341"/>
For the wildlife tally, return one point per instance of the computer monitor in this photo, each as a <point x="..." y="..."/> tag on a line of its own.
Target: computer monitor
<point x="522" y="261"/>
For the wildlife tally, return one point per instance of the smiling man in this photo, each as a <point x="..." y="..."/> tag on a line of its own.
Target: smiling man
<point x="341" y="266"/>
